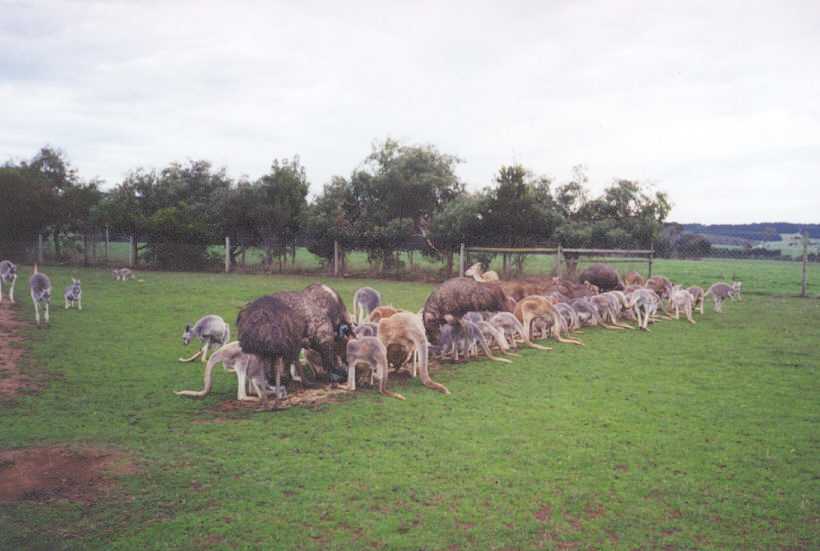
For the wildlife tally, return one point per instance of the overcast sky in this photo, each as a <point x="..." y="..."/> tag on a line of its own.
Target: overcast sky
<point x="717" y="103"/>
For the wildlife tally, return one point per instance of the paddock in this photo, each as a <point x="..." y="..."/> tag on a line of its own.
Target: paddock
<point x="698" y="436"/>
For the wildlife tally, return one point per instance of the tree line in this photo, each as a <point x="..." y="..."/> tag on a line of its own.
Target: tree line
<point x="400" y="197"/>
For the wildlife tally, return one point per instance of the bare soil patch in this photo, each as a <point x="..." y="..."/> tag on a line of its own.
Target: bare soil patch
<point x="13" y="382"/>
<point x="311" y="397"/>
<point x="76" y="474"/>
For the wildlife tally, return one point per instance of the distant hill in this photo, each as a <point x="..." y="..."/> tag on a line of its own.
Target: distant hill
<point x="770" y="231"/>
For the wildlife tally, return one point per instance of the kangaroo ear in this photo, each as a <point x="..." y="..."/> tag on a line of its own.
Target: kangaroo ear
<point x="187" y="327"/>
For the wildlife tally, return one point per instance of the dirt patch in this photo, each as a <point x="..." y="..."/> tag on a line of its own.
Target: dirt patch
<point x="311" y="397"/>
<point x="13" y="382"/>
<point x="594" y="511"/>
<point x="76" y="474"/>
<point x="543" y="513"/>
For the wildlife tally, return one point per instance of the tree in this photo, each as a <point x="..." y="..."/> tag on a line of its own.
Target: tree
<point x="459" y="221"/>
<point x="25" y="208"/>
<point x="279" y="205"/>
<point x="79" y="211"/>
<point x="330" y="218"/>
<point x="171" y="211"/>
<point x="51" y="167"/>
<point x="391" y="197"/>
<point x="519" y="210"/>
<point x="625" y="215"/>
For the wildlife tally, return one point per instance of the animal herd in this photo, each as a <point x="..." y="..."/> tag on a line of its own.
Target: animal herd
<point x="40" y="289"/>
<point x="465" y="317"/>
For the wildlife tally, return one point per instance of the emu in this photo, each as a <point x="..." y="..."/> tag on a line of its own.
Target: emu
<point x="457" y="296"/>
<point x="603" y="276"/>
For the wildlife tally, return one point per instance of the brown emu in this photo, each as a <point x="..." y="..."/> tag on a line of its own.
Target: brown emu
<point x="457" y="296"/>
<point x="603" y="276"/>
<point x="276" y="327"/>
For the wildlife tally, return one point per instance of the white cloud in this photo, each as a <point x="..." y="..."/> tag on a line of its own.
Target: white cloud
<point x="704" y="98"/>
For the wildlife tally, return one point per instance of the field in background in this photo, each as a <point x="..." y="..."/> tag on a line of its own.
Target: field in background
<point x="759" y="276"/>
<point x="698" y="436"/>
<point x="791" y="245"/>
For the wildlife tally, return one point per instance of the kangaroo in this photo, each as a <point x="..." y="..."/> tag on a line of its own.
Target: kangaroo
<point x="406" y="329"/>
<point x="535" y="305"/>
<point x="680" y="299"/>
<point x="73" y="295"/>
<point x="370" y="352"/>
<point x="475" y="271"/>
<point x="211" y="330"/>
<point x="720" y="291"/>
<point x="698" y="298"/>
<point x="365" y="300"/>
<point x="8" y="275"/>
<point x="40" y="287"/>
<point x="644" y="302"/>
<point x="122" y="274"/>
<point x="250" y="374"/>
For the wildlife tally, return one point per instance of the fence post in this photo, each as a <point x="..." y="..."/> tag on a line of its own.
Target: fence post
<point x="227" y="254"/>
<point x="651" y="257"/>
<point x="504" y="265"/>
<point x="131" y="255"/>
<point x="461" y="261"/>
<point x="335" y="258"/>
<point x="39" y="248"/>
<point x="107" y="244"/>
<point x="805" y="281"/>
<point x="94" y="247"/>
<point x="558" y="261"/>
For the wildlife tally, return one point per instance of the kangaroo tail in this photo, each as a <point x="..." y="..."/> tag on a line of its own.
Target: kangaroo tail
<point x="208" y="384"/>
<point x="424" y="374"/>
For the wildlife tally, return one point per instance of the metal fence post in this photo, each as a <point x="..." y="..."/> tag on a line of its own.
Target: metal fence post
<point x="40" y="248"/>
<point x="651" y="257"/>
<point x="107" y="244"/>
<point x="227" y="254"/>
<point x="804" y="283"/>
<point x="461" y="260"/>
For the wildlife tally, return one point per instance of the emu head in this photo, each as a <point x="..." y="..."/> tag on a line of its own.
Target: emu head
<point x="187" y="335"/>
<point x="343" y="332"/>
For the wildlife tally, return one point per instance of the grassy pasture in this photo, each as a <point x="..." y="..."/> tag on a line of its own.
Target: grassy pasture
<point x="698" y="436"/>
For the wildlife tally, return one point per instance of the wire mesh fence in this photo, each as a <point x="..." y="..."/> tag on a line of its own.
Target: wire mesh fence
<point x="791" y="268"/>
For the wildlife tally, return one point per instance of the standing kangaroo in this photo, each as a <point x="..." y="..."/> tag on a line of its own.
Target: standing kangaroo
<point x="40" y="287"/>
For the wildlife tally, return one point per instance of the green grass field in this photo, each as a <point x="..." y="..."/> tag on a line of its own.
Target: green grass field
<point x="700" y="436"/>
